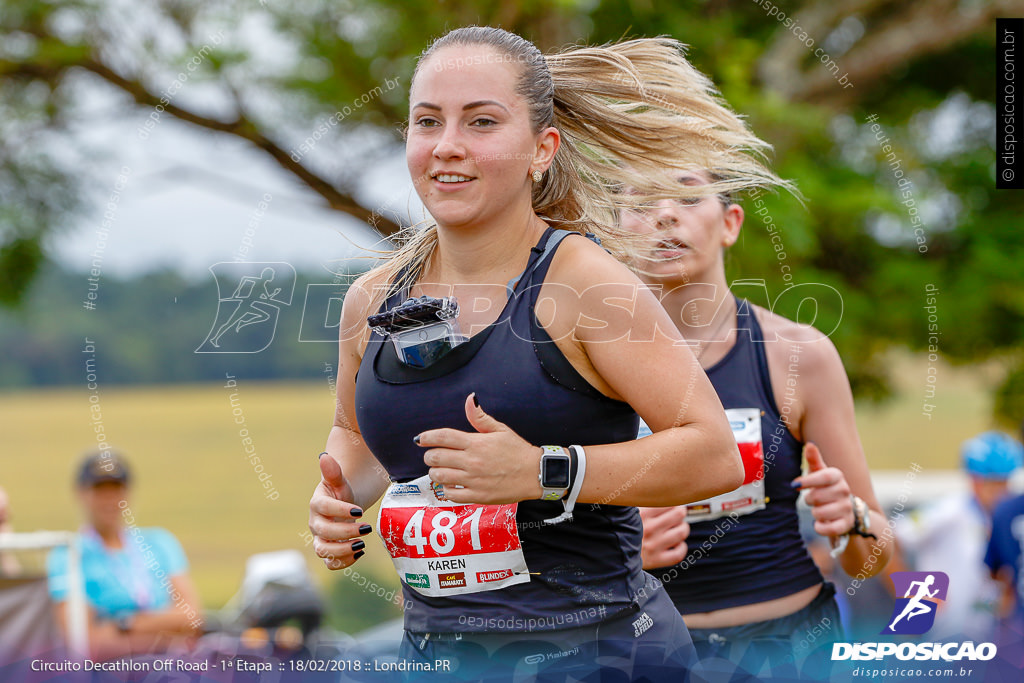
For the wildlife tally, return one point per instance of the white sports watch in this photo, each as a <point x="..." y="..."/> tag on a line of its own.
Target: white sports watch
<point x="554" y="472"/>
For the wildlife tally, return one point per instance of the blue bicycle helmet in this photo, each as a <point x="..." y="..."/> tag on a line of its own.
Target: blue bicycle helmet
<point x="992" y="455"/>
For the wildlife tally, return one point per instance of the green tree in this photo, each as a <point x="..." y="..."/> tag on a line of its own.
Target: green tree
<point x="807" y="74"/>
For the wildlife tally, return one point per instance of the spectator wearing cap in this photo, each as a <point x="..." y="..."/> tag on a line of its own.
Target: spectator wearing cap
<point x="1005" y="554"/>
<point x="951" y="534"/>
<point x="141" y="599"/>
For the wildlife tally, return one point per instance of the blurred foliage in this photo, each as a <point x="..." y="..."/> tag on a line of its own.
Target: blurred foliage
<point x="1009" y="404"/>
<point x="148" y="329"/>
<point x="924" y="70"/>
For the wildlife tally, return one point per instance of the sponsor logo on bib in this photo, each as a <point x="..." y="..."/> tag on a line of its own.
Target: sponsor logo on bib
<point x="484" y="577"/>
<point x="405" y="490"/>
<point x="739" y="503"/>
<point x="417" y="580"/>
<point x="452" y="580"/>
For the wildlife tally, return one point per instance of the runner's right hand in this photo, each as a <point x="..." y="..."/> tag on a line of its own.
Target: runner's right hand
<point x="335" y="523"/>
<point x="665" y="534"/>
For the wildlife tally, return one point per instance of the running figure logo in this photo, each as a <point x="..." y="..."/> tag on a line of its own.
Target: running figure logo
<point x="914" y="613"/>
<point x="258" y="290"/>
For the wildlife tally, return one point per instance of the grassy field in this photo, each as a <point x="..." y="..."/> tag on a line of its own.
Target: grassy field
<point x="898" y="432"/>
<point x="191" y="473"/>
<point x="193" y="477"/>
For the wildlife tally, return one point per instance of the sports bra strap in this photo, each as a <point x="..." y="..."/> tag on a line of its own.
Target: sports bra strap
<point x="538" y="254"/>
<point x="555" y="236"/>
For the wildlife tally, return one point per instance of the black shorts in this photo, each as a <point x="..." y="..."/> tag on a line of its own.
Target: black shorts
<point x="794" y="647"/>
<point x="647" y="643"/>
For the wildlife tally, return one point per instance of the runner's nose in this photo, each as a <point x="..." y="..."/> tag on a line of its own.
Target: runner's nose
<point x="666" y="214"/>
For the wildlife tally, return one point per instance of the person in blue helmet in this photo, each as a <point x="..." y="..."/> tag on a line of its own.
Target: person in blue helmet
<point x="950" y="535"/>
<point x="1006" y="542"/>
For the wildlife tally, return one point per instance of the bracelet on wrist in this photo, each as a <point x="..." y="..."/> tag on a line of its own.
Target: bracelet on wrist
<point x="861" y="518"/>
<point x="861" y="526"/>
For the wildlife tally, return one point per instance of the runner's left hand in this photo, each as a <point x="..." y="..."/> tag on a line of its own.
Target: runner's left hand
<point x="828" y="494"/>
<point x="494" y="465"/>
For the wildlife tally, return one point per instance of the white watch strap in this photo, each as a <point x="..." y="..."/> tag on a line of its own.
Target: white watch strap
<point x="581" y="469"/>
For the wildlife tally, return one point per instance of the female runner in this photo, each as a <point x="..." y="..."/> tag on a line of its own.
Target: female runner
<point x="507" y="462"/>
<point x="735" y="566"/>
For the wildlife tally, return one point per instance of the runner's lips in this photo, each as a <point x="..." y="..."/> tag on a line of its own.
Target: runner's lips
<point x="450" y="179"/>
<point x="672" y="243"/>
<point x="671" y="248"/>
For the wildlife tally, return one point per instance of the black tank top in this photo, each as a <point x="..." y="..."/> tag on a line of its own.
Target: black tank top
<point x="586" y="570"/>
<point x="758" y="556"/>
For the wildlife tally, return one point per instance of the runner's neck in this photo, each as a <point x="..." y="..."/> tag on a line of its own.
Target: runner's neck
<point x="699" y="309"/>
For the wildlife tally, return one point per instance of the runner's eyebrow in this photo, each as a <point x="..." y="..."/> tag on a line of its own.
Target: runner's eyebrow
<point x="465" y="107"/>
<point x="483" y="103"/>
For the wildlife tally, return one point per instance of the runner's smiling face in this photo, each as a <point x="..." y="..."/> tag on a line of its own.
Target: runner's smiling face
<point x="470" y="147"/>
<point x="686" y="237"/>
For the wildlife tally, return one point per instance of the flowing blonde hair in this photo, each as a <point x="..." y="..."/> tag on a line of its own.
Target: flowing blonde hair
<point x="631" y="114"/>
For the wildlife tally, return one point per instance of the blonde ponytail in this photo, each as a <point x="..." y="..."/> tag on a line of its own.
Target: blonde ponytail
<point x="633" y="115"/>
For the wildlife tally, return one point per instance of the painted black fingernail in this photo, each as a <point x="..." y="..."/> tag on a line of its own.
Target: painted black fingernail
<point x="356" y="512"/>
<point x="321" y="455"/>
<point x="416" y="439"/>
<point x="795" y="484"/>
<point x="476" y="401"/>
<point x="358" y="545"/>
<point x="358" y="555"/>
<point x="365" y="529"/>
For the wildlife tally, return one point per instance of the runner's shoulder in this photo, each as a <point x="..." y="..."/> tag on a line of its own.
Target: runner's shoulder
<point x="362" y="299"/>
<point x="787" y="340"/>
<point x="582" y="263"/>
<point x="365" y="294"/>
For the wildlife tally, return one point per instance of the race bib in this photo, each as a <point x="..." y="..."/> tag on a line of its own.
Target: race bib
<point x="443" y="548"/>
<point x="749" y="497"/>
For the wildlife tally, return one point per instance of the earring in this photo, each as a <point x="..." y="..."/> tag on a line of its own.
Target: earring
<point x="537" y="175"/>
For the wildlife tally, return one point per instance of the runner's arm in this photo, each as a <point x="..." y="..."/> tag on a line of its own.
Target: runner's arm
<point x="364" y="476"/>
<point x="827" y="420"/>
<point x="636" y="349"/>
<point x="353" y="480"/>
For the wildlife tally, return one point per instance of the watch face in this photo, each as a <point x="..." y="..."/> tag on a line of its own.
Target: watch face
<point x="556" y="472"/>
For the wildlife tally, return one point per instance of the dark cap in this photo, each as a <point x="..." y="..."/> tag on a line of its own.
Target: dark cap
<point x="102" y="466"/>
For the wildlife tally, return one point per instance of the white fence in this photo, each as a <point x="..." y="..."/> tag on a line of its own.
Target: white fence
<point x="77" y="626"/>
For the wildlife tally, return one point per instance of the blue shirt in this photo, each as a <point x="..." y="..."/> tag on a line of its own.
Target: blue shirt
<point x="133" y="578"/>
<point x="1006" y="544"/>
